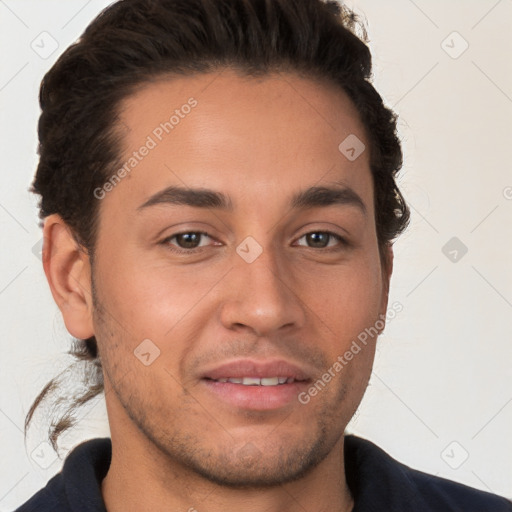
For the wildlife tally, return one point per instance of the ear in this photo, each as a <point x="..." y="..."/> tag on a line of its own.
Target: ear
<point x="387" y="270"/>
<point x="67" y="269"/>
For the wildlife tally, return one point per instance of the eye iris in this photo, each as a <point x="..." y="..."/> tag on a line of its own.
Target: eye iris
<point x="188" y="240"/>
<point x="318" y="239"/>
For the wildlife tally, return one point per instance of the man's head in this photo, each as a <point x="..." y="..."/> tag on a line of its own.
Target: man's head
<point x="264" y="109"/>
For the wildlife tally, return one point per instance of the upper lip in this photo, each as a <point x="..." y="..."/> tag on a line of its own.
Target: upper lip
<point x="240" y="368"/>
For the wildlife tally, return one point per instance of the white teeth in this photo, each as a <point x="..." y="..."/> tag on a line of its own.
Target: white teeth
<point x="256" y="381"/>
<point x="251" y="381"/>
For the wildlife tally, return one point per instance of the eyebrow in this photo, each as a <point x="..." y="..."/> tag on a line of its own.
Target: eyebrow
<point x="205" y="198"/>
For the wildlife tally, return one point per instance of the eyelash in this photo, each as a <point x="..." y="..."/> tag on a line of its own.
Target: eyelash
<point x="166" y="242"/>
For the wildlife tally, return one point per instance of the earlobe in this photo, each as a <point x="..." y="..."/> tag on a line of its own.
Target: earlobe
<point x="67" y="269"/>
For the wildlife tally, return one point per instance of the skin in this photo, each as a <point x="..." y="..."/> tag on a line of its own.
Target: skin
<point x="176" y="446"/>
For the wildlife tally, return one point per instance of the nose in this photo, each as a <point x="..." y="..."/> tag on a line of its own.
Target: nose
<point x="260" y="296"/>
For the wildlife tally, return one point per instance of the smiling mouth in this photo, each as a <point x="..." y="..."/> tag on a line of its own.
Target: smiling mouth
<point x="256" y="385"/>
<point x="257" y="381"/>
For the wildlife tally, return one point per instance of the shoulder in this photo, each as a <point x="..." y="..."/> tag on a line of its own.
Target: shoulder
<point x="440" y="492"/>
<point x="77" y="487"/>
<point x="375" y="478"/>
<point x="48" y="499"/>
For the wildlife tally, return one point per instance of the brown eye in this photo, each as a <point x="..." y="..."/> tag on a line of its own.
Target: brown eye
<point x="322" y="239"/>
<point x="186" y="242"/>
<point x="318" y="240"/>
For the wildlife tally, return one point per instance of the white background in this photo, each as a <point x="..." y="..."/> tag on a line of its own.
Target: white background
<point x="442" y="383"/>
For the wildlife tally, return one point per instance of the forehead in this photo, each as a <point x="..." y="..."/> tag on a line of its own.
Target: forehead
<point x="246" y="136"/>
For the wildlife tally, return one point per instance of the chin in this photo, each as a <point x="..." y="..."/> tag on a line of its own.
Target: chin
<point x="251" y="467"/>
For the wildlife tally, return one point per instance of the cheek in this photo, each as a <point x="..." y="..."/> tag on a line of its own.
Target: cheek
<point x="148" y="299"/>
<point x="346" y="298"/>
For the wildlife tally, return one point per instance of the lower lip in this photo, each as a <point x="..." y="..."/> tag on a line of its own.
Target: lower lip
<point x="257" y="398"/>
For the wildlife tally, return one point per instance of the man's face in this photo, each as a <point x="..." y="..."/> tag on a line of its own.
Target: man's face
<point x="225" y="310"/>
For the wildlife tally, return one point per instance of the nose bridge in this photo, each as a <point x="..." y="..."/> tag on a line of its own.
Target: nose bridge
<point x="260" y="294"/>
<point x="262" y="269"/>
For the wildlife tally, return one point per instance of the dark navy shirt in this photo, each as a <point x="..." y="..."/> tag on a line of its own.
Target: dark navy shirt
<point x="378" y="483"/>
